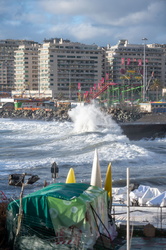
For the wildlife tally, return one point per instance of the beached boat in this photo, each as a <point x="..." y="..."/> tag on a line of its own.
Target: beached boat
<point x="66" y="215"/>
<point x="61" y="214"/>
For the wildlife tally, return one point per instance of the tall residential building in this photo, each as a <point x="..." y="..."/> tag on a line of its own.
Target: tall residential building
<point x="163" y="47"/>
<point x="65" y="66"/>
<point x="26" y="69"/>
<point x="126" y="64"/>
<point x="7" y="48"/>
<point x="63" y="69"/>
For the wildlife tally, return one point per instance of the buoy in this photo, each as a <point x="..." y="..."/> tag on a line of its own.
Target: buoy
<point x="71" y="176"/>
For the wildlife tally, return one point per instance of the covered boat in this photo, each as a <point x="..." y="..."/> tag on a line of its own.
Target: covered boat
<point x="61" y="216"/>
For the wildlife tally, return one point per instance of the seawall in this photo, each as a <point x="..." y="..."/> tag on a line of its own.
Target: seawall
<point x="138" y="131"/>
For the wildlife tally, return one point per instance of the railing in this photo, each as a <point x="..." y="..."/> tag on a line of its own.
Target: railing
<point x="140" y="215"/>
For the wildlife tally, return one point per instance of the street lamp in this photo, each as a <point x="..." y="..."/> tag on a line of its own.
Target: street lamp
<point x="69" y="84"/>
<point x="144" y="72"/>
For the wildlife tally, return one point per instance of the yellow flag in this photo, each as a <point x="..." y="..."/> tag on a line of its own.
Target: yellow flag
<point x="71" y="176"/>
<point x="108" y="180"/>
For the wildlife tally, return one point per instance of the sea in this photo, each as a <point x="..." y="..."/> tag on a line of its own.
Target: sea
<point x="31" y="147"/>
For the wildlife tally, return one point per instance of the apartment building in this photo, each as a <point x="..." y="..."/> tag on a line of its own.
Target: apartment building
<point x="126" y="63"/>
<point x="63" y="69"/>
<point x="163" y="47"/>
<point x="7" y="48"/>
<point x="26" y="69"/>
<point x="66" y="68"/>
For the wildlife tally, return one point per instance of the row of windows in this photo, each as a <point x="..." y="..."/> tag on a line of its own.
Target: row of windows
<point x="85" y="57"/>
<point x="138" y="49"/>
<point x="70" y="51"/>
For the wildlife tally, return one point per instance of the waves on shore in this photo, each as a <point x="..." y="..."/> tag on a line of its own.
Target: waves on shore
<point x="33" y="145"/>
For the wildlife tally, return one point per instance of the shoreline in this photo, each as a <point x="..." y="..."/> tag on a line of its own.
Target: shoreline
<point x="134" y="124"/>
<point x="121" y="116"/>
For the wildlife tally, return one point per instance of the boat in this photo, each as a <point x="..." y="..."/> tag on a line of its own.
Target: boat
<point x="66" y="215"/>
<point x="61" y="215"/>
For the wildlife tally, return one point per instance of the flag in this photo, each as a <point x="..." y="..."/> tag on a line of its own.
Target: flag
<point x="99" y="85"/>
<point x="128" y="61"/>
<point x="102" y="80"/>
<point x="106" y="76"/>
<point x="122" y="61"/>
<point x="86" y="94"/>
<point x="79" y="86"/>
<point x="94" y="86"/>
<point x="139" y="62"/>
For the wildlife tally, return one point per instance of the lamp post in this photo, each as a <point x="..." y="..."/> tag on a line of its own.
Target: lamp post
<point x="39" y="79"/>
<point x="69" y="85"/>
<point x="144" y="72"/>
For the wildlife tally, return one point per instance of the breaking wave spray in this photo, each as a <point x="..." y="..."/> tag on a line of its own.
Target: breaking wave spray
<point x="89" y="118"/>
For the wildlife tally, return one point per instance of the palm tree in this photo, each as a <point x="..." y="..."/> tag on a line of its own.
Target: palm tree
<point x="60" y="96"/>
<point x="156" y="86"/>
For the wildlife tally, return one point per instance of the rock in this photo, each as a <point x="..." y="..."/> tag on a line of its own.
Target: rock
<point x="149" y="230"/>
<point x="119" y="115"/>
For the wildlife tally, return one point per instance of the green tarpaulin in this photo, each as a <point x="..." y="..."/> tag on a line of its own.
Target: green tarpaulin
<point x="62" y="206"/>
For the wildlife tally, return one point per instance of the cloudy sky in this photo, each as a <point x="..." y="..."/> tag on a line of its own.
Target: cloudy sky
<point x="87" y="21"/>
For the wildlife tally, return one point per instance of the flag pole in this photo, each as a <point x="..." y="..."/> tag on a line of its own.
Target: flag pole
<point x="128" y="209"/>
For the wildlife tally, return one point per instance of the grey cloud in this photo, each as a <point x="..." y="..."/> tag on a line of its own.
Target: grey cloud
<point x="85" y="21"/>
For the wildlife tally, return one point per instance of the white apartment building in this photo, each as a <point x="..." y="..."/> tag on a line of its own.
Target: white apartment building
<point x="163" y="47"/>
<point x="26" y="70"/>
<point x="7" y="48"/>
<point x="126" y="63"/>
<point x="56" y="68"/>
<point x="64" y="64"/>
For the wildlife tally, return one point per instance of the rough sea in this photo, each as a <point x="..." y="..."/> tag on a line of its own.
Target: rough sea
<point x="31" y="146"/>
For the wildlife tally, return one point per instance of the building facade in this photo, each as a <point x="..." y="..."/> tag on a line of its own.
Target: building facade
<point x="66" y="67"/>
<point x="7" y="67"/>
<point x="66" y="70"/>
<point x="126" y="64"/>
<point x="26" y="69"/>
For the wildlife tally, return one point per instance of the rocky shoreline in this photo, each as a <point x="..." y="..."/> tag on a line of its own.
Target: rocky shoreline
<point x="61" y="114"/>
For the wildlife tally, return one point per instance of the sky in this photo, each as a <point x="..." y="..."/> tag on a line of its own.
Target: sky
<point x="86" y="21"/>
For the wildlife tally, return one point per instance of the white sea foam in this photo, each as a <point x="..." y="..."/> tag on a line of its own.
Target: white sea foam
<point x="89" y="118"/>
<point x="29" y="145"/>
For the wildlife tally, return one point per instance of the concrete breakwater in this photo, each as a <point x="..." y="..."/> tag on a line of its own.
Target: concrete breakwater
<point x="137" y="131"/>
